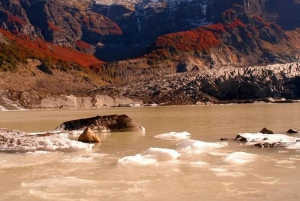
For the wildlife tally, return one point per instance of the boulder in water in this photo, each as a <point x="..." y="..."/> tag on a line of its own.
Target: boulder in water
<point x="293" y="130"/>
<point x="102" y="124"/>
<point x="224" y="139"/>
<point x="266" y="131"/>
<point x="240" y="138"/>
<point x="88" y="136"/>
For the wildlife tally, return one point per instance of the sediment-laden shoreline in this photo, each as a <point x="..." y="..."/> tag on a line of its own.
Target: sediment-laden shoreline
<point x="277" y="83"/>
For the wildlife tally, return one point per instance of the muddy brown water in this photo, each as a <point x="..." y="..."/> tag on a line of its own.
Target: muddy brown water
<point x="271" y="174"/>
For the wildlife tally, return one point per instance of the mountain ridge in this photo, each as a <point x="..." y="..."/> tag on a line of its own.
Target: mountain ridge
<point x="99" y="43"/>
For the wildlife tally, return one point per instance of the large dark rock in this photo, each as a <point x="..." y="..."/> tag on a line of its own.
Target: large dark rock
<point x="102" y="124"/>
<point x="240" y="138"/>
<point x="266" y="131"/>
<point x="293" y="130"/>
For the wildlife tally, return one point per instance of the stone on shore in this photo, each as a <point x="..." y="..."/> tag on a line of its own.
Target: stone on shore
<point x="88" y="136"/>
<point x="266" y="131"/>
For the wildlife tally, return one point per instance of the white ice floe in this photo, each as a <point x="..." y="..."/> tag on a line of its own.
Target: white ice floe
<point x="285" y="140"/>
<point x="149" y="157"/>
<point x="20" y="141"/>
<point x="240" y="158"/>
<point x="195" y="146"/>
<point x="174" y="136"/>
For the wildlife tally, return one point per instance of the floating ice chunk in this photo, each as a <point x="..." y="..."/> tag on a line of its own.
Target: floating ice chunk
<point x="240" y="158"/>
<point x="271" y="138"/>
<point x="20" y="141"/>
<point x="195" y="146"/>
<point x="136" y="160"/>
<point x="174" y="136"/>
<point x="149" y="157"/>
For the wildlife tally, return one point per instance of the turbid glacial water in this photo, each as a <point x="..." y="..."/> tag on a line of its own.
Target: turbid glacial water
<point x="150" y="166"/>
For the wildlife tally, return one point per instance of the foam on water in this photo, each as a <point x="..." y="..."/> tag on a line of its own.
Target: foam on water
<point x="222" y="172"/>
<point x="174" y="136"/>
<point x="294" y="146"/>
<point x="149" y="157"/>
<point x="78" y="159"/>
<point x="195" y="146"/>
<point x="230" y="174"/>
<point x="58" y="182"/>
<point x="201" y="164"/>
<point x="240" y="158"/>
<point x="21" y="141"/>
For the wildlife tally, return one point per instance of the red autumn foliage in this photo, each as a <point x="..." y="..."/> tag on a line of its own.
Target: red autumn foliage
<point x="15" y="19"/>
<point x="201" y="39"/>
<point x="85" y="19"/>
<point x="82" y="45"/>
<point x="53" y="27"/>
<point x="258" y="18"/>
<point x="40" y="49"/>
<point x="216" y="28"/>
<point x="235" y="23"/>
<point x="261" y="20"/>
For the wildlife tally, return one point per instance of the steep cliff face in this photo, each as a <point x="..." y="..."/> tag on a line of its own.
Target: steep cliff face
<point x="142" y="21"/>
<point x="120" y="29"/>
<point x="68" y="23"/>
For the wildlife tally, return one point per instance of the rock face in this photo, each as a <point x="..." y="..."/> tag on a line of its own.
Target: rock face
<point x="88" y="136"/>
<point x="118" y="30"/>
<point x="102" y="124"/>
<point x="59" y="22"/>
<point x="142" y="21"/>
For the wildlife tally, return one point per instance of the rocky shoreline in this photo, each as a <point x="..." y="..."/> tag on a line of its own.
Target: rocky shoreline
<point x="277" y="83"/>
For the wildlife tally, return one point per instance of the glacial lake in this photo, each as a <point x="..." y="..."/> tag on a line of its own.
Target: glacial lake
<point x="116" y="169"/>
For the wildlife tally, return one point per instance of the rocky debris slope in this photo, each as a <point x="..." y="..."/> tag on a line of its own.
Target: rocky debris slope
<point x="272" y="83"/>
<point x="227" y="84"/>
